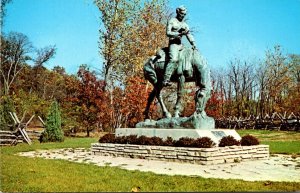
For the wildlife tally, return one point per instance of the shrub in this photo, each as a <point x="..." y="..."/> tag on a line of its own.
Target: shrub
<point x="249" y="140"/>
<point x="44" y="137"/>
<point x="157" y="141"/>
<point x="143" y="140"/>
<point x="108" y="138"/>
<point x="203" y="142"/>
<point x="184" y="142"/>
<point x="53" y="131"/>
<point x="132" y="139"/>
<point x="169" y="141"/>
<point x="121" y="139"/>
<point x="6" y="106"/>
<point x="228" y="141"/>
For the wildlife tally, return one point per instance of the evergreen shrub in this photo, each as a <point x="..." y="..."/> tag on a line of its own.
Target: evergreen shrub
<point x="6" y="106"/>
<point x="53" y="131"/>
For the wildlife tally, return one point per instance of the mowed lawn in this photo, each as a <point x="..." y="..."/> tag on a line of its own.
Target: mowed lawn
<point x="24" y="174"/>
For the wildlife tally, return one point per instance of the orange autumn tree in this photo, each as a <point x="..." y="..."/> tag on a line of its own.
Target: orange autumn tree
<point x="136" y="95"/>
<point x="91" y="99"/>
<point x="213" y="106"/>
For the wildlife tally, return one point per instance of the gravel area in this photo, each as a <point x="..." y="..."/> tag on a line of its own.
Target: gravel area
<point x="277" y="168"/>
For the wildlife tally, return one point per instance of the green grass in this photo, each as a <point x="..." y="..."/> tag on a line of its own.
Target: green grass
<point x="283" y="147"/>
<point x="285" y="142"/>
<point x="266" y="135"/>
<point x="23" y="174"/>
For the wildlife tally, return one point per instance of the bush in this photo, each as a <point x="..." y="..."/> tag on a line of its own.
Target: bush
<point x="184" y="142"/>
<point x="6" y="106"/>
<point x="108" y="138"/>
<point x="53" y="131"/>
<point x="203" y="142"/>
<point x="44" y="137"/>
<point x="228" y="141"/>
<point x="157" y="141"/>
<point x="249" y="140"/>
<point x="169" y="142"/>
<point x="121" y="139"/>
<point x="132" y="139"/>
<point x="143" y="140"/>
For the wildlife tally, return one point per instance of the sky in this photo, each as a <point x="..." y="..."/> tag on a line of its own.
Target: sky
<point x="223" y="29"/>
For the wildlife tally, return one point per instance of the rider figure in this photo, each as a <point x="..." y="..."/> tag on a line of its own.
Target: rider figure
<point x="176" y="29"/>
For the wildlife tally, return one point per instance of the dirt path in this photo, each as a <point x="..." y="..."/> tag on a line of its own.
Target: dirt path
<point x="277" y="168"/>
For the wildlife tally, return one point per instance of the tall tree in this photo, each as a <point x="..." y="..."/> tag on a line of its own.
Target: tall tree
<point x="131" y="32"/>
<point x="15" y="49"/>
<point x="3" y="11"/>
<point x="277" y="73"/>
<point x="92" y="100"/>
<point x="293" y="95"/>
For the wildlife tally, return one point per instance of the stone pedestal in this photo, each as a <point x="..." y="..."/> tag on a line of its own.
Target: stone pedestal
<point x="195" y="121"/>
<point x="214" y="134"/>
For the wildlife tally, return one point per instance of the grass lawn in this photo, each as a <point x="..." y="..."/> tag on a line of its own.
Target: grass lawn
<point x="23" y="174"/>
<point x="285" y="142"/>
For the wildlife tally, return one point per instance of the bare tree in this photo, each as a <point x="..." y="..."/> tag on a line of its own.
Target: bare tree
<point x="44" y="54"/>
<point x="15" y="50"/>
<point x="242" y="78"/>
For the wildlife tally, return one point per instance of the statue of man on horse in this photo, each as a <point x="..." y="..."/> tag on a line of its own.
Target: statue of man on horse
<point x="180" y="64"/>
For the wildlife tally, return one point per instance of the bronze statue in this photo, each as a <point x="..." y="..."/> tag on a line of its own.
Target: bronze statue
<point x="178" y="64"/>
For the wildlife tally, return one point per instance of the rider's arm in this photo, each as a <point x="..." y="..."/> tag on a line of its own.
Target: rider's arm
<point x="189" y="36"/>
<point x="170" y="33"/>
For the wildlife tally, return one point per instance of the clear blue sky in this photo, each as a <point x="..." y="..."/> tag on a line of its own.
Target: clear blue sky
<point x="224" y="29"/>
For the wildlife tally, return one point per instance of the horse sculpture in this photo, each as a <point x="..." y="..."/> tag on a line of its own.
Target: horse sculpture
<point x="191" y="67"/>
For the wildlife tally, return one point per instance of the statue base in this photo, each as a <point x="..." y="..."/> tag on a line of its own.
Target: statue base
<point x="214" y="134"/>
<point x="196" y="121"/>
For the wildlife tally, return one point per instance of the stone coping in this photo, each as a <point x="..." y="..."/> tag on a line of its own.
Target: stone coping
<point x="204" y="156"/>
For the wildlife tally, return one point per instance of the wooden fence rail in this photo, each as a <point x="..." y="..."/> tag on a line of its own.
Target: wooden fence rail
<point x="277" y="121"/>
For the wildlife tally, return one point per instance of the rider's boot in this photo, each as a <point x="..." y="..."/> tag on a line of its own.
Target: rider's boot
<point x="168" y="73"/>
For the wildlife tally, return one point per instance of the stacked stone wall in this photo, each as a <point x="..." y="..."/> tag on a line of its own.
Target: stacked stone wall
<point x="204" y="156"/>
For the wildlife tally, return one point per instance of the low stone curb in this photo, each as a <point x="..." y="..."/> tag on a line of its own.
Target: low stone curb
<point x="204" y="156"/>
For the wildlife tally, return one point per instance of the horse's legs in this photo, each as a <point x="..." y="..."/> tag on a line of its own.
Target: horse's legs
<point x="201" y="100"/>
<point x="150" y="100"/>
<point x="161" y="102"/>
<point x="180" y="89"/>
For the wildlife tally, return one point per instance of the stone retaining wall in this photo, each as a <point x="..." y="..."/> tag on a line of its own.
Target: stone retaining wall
<point x="205" y="156"/>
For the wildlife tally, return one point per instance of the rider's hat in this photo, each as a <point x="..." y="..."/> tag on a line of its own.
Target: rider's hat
<point x="181" y="9"/>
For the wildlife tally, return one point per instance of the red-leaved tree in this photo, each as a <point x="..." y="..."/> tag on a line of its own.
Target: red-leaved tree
<point x="92" y="100"/>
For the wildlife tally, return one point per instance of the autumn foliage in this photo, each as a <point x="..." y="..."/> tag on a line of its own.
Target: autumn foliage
<point x="116" y="95"/>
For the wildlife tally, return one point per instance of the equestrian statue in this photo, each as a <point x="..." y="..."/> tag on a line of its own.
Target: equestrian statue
<point x="177" y="63"/>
